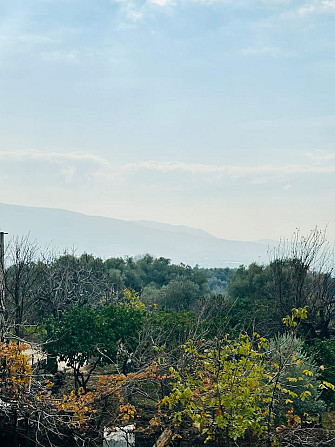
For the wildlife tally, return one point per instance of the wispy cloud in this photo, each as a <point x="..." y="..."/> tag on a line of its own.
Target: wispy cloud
<point x="321" y="156"/>
<point x="106" y="168"/>
<point x="161" y="3"/>
<point x="60" y="168"/>
<point x="312" y="7"/>
<point x="70" y="57"/>
<point x="132" y="10"/>
<point x="31" y="154"/>
<point x="135" y="10"/>
<point x="230" y="170"/>
<point x="25" y="38"/>
<point x="265" y="50"/>
<point x="80" y="168"/>
<point x="309" y="7"/>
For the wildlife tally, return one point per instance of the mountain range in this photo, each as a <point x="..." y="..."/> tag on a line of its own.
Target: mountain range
<point x="108" y="237"/>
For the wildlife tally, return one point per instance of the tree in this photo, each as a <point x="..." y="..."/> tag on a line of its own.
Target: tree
<point x="88" y="337"/>
<point x="223" y="388"/>
<point x="79" y="338"/>
<point x="300" y="274"/>
<point x="69" y="281"/>
<point x="179" y="294"/>
<point x="15" y="371"/>
<point x="229" y="388"/>
<point x="250" y="295"/>
<point x="21" y="281"/>
<point x="124" y="322"/>
<point x="31" y="412"/>
<point x="173" y="328"/>
<point x="219" y="278"/>
<point x="298" y="375"/>
<point x="323" y="352"/>
<point x="139" y="272"/>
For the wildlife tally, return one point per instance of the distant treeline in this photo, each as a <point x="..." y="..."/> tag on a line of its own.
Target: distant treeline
<point x="40" y="286"/>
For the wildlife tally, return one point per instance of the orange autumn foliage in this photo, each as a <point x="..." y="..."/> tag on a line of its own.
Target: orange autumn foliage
<point x="15" y="373"/>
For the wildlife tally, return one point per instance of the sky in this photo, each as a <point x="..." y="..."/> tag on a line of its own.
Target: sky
<point x="216" y="114"/>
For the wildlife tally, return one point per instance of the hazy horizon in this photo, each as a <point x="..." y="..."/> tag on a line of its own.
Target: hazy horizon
<point x="216" y="115"/>
<point x="126" y="220"/>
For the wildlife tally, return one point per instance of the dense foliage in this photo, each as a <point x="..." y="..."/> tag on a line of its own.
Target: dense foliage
<point x="230" y="357"/>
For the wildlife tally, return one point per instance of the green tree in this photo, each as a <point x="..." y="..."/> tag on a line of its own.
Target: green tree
<point x="298" y="375"/>
<point x="249" y="292"/>
<point x="88" y="337"/>
<point x="179" y="294"/>
<point x="124" y="322"/>
<point x="173" y="328"/>
<point x="219" y="278"/>
<point x="81" y="337"/>
<point x="299" y="275"/>
<point x="323" y="351"/>
<point x="223" y="388"/>
<point x="227" y="388"/>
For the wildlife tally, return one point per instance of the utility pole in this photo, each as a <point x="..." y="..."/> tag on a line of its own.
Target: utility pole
<point x="2" y="285"/>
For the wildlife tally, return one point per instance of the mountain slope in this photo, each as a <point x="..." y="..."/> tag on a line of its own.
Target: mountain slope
<point x="107" y="237"/>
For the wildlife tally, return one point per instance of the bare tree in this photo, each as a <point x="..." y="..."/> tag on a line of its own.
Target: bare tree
<point x="68" y="281"/>
<point x="21" y="277"/>
<point x="302" y="275"/>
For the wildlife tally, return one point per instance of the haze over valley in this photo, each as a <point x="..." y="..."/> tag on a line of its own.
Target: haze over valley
<point x="107" y="237"/>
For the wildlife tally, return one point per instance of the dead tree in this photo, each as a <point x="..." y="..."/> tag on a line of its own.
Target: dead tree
<point x="302" y="275"/>
<point x="21" y="278"/>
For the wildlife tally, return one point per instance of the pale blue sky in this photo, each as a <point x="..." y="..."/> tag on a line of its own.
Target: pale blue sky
<point x="214" y="114"/>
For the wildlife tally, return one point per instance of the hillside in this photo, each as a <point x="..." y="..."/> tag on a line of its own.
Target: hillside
<point x="108" y="237"/>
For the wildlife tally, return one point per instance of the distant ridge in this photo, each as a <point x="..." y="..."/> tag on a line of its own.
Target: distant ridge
<point x="175" y="228"/>
<point x="109" y="237"/>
